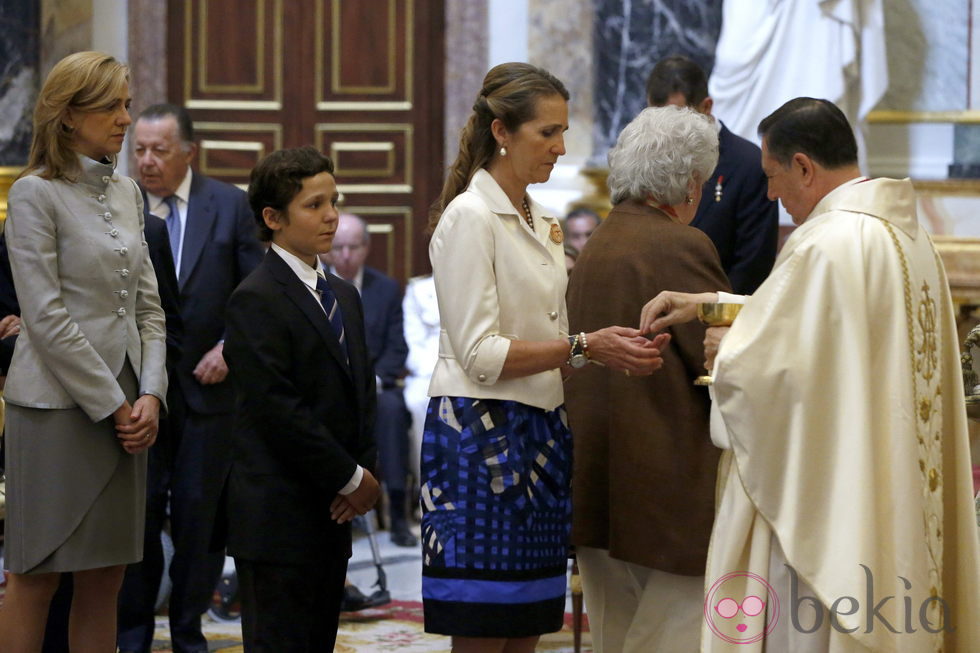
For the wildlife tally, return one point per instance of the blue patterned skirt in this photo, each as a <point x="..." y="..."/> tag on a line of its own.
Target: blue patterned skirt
<point x="496" y="514"/>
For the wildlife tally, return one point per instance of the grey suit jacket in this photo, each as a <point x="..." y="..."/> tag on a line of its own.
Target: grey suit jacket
<point x="87" y="291"/>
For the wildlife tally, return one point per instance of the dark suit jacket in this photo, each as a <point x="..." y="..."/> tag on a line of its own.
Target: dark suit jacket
<point x="385" y="327"/>
<point x="158" y="243"/>
<point x="8" y="305"/>
<point x="220" y="248"/>
<point x="303" y="418"/>
<point x="744" y="225"/>
<point x="645" y="466"/>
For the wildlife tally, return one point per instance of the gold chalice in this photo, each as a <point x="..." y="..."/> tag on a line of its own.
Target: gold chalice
<point x="716" y="314"/>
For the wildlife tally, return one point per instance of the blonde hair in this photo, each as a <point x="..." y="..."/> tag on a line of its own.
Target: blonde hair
<point x="83" y="81"/>
<point x="509" y="93"/>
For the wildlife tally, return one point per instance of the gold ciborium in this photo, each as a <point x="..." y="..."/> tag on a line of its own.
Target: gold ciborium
<point x="716" y="314"/>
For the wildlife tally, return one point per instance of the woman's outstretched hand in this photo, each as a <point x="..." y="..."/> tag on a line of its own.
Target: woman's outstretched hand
<point x="627" y="350"/>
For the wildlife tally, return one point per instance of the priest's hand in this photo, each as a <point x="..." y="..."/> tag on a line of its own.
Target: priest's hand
<point x="671" y="307"/>
<point x="712" y="340"/>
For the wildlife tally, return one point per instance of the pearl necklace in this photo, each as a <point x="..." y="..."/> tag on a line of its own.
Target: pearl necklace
<point x="527" y="215"/>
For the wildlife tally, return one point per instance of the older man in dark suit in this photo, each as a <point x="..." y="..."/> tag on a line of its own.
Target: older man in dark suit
<point x="385" y="327"/>
<point x="303" y="451"/>
<point x="214" y="245"/>
<point x="735" y="211"/>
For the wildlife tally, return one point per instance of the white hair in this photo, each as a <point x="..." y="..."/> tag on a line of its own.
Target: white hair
<point x="662" y="153"/>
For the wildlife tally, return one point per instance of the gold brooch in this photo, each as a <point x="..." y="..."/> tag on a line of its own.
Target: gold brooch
<point x="556" y="235"/>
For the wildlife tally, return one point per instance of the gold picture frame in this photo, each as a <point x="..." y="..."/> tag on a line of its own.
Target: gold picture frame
<point x="7" y="176"/>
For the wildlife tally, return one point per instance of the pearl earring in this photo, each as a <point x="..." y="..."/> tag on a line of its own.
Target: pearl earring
<point x="503" y="151"/>
<point x="689" y="199"/>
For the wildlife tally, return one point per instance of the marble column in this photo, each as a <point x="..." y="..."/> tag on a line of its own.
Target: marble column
<point x="630" y="37"/>
<point x="560" y="34"/>
<point x="147" y="52"/>
<point x="19" y="73"/>
<point x="66" y="27"/>
<point x="466" y="64"/>
<point x="928" y="55"/>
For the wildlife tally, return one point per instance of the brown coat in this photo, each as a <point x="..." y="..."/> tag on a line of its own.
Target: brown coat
<point x="645" y="467"/>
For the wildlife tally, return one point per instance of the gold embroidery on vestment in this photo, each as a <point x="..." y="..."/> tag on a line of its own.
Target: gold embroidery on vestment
<point x="925" y="363"/>
<point x="927" y="358"/>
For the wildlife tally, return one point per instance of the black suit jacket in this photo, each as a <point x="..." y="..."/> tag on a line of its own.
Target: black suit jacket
<point x="385" y="327"/>
<point x="744" y="224"/>
<point x="158" y="243"/>
<point x="220" y="248"/>
<point x="303" y="419"/>
<point x="8" y="304"/>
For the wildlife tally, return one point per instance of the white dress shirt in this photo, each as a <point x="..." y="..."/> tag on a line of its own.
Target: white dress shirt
<point x="308" y="276"/>
<point x="496" y="281"/>
<point x="357" y="281"/>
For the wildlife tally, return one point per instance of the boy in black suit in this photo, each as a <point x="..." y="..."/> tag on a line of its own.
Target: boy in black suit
<point x="305" y="402"/>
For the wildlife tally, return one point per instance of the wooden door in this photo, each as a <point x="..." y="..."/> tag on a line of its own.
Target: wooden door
<point x="362" y="80"/>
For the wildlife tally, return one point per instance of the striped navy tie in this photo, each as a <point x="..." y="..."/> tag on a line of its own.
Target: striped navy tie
<point x="173" y="226"/>
<point x="330" y="305"/>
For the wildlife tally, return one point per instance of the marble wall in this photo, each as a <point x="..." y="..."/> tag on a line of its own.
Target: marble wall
<point x="630" y="37"/>
<point x="66" y="27"/>
<point x="560" y="40"/>
<point x="147" y="46"/>
<point x="19" y="72"/>
<point x="928" y="55"/>
<point x="466" y="65"/>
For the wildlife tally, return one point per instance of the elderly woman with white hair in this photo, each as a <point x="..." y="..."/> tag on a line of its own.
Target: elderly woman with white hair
<point x="644" y="464"/>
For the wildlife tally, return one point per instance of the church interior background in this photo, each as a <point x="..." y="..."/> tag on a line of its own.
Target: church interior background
<point x="383" y="86"/>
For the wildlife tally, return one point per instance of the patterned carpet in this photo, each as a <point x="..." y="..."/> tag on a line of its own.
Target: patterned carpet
<point x="393" y="627"/>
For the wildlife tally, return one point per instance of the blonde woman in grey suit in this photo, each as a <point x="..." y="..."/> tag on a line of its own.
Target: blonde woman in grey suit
<point x="87" y="380"/>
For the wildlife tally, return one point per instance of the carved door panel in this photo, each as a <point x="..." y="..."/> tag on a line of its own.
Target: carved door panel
<point x="361" y="80"/>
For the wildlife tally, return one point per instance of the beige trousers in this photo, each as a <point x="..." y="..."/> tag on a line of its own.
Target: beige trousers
<point x="636" y="609"/>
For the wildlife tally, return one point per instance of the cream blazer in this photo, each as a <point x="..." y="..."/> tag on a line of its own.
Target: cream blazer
<point x="87" y="293"/>
<point x="496" y="281"/>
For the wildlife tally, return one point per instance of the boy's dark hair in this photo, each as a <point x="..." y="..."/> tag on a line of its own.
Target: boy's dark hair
<point x="277" y="178"/>
<point x="676" y="74"/>
<point x="816" y="128"/>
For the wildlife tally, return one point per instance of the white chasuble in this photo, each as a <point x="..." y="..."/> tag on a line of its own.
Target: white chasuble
<point x="838" y="394"/>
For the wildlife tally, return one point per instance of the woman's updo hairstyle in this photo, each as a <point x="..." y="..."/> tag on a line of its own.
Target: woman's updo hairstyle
<point x="509" y="93"/>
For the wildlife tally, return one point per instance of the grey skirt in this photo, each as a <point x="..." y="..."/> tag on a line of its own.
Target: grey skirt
<point x="75" y="499"/>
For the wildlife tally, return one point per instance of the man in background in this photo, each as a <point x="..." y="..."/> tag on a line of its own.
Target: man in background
<point x="734" y="210"/>
<point x="579" y="225"/>
<point x="385" y="329"/>
<point x="214" y="246"/>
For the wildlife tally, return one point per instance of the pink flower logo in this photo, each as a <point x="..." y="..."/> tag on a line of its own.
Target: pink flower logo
<point x="741" y="608"/>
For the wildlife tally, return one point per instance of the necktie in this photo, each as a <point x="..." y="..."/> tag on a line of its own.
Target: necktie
<point x="173" y="226"/>
<point x="330" y="305"/>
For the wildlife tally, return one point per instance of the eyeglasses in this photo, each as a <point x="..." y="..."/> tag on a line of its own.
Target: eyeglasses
<point x="751" y="606"/>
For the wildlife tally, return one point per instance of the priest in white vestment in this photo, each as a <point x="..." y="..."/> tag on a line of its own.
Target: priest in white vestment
<point x="845" y="517"/>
